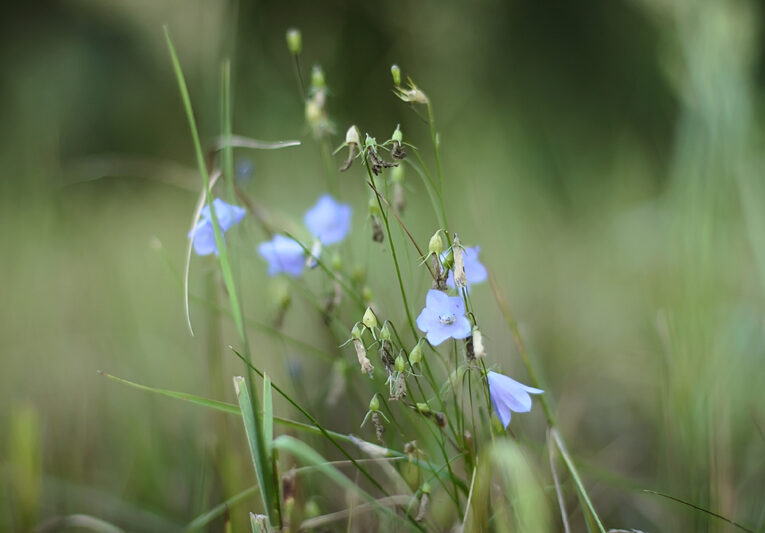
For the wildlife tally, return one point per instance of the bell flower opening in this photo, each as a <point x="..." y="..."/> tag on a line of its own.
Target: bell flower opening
<point x="328" y="220"/>
<point x="443" y="317"/>
<point x="283" y="255"/>
<point x="508" y="396"/>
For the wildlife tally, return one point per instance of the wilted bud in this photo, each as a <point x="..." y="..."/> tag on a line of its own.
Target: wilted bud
<point x="436" y="244"/>
<point x="356" y="331"/>
<point x="415" y="356"/>
<point x="478" y="350"/>
<point x="361" y="355"/>
<point x="412" y="95"/>
<point x="294" y="41"/>
<point x="460" y="280"/>
<point x="395" y="71"/>
<point x="385" y="331"/>
<point x="374" y="404"/>
<point x="317" y="78"/>
<point x="369" y="319"/>
<point x="352" y="136"/>
<point x="400" y="364"/>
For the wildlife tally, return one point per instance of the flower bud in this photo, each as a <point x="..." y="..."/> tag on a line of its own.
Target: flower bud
<point x="356" y="331"/>
<point x="397" y="136"/>
<point x="374" y="404"/>
<point x="426" y="488"/>
<point x="313" y="112"/>
<point x="317" y="78"/>
<point x="369" y="319"/>
<point x="400" y="364"/>
<point x="352" y="136"/>
<point x="423" y="407"/>
<point x="385" y="331"/>
<point x="478" y="350"/>
<point x="436" y="244"/>
<point x="415" y="356"/>
<point x="395" y="71"/>
<point x="294" y="41"/>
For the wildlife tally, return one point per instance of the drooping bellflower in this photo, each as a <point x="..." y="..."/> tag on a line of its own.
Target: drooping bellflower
<point x="283" y="255"/>
<point x="328" y="220"/>
<point x="508" y="395"/>
<point x="204" y="237"/>
<point x="443" y="317"/>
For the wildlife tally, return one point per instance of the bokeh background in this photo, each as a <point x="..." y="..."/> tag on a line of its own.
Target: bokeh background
<point x="606" y="155"/>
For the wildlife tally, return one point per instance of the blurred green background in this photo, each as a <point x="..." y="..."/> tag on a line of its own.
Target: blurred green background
<point x="606" y="155"/>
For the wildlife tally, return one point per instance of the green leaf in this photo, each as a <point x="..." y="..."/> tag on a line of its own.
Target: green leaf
<point x="268" y="415"/>
<point x="262" y="468"/>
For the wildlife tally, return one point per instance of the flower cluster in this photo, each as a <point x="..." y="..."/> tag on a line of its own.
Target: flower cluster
<point x="203" y="235"/>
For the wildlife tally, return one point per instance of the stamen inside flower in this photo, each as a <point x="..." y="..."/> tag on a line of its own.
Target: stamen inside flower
<point x="447" y="319"/>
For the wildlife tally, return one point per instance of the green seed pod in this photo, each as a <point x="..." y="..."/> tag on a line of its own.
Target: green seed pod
<point x="448" y="261"/>
<point x="415" y="356"/>
<point x="395" y="71"/>
<point x="294" y="41"/>
<point x="385" y="331"/>
<point x="426" y="488"/>
<point x="436" y="244"/>
<point x="369" y="319"/>
<point x="400" y="364"/>
<point x="423" y="407"/>
<point x="374" y="404"/>
<point x="356" y="331"/>
<point x="397" y="136"/>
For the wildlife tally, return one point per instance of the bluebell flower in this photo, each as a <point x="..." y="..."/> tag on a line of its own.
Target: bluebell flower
<point x="329" y="221"/>
<point x="283" y="255"/>
<point x="475" y="272"/>
<point x="228" y="215"/>
<point x="443" y="317"/>
<point x="203" y="234"/>
<point x="508" y="395"/>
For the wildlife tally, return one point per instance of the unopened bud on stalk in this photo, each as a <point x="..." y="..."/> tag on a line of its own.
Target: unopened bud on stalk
<point x="374" y="404"/>
<point x="448" y="260"/>
<point x="415" y="356"/>
<point x="400" y="364"/>
<point x="395" y="71"/>
<point x="356" y="331"/>
<point x="352" y="136"/>
<point x="460" y="280"/>
<point x="478" y="350"/>
<point x="317" y="78"/>
<point x="385" y="331"/>
<point x="423" y="407"/>
<point x="369" y="319"/>
<point x="436" y="244"/>
<point x="294" y="41"/>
